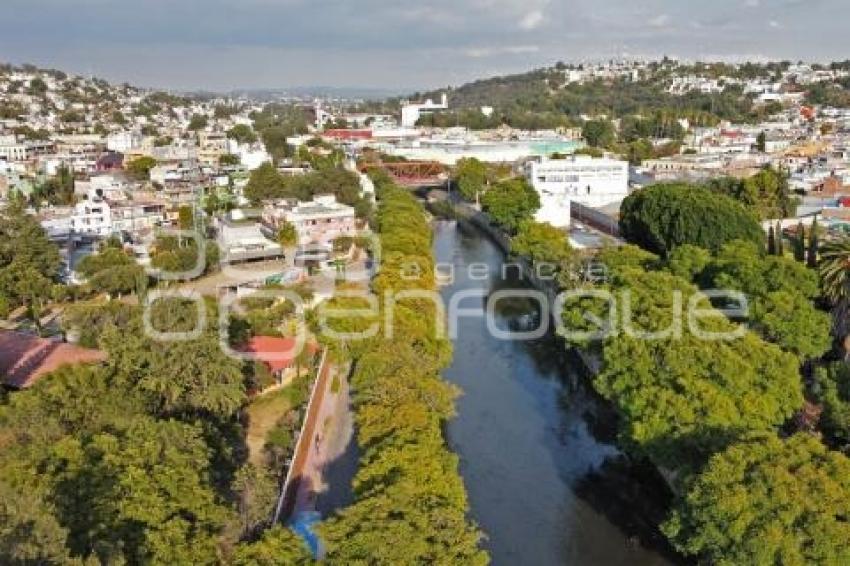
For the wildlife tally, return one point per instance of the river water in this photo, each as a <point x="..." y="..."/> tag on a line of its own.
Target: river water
<point x="535" y="458"/>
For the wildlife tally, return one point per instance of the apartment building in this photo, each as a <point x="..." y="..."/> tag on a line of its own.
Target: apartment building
<point x="319" y="221"/>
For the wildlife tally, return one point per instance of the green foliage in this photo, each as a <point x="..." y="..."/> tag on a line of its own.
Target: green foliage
<point x="228" y="160"/>
<point x="766" y="193"/>
<point x="767" y="501"/>
<point x="276" y="123"/>
<point x="186" y="217"/>
<point x="278" y="547"/>
<point x="833" y="386"/>
<point x="510" y="203"/>
<point x="598" y="133"/>
<point x="29" y="531"/>
<point x="58" y="190"/>
<point x="683" y="399"/>
<point x="407" y="487"/>
<point x="834" y="268"/>
<point x="542" y="243"/>
<point x="181" y="254"/>
<point x="140" y="168"/>
<point x="242" y="133"/>
<point x="265" y="183"/>
<point x="198" y="122"/>
<point x="102" y="477"/>
<point x="780" y="292"/>
<point x="28" y="259"/>
<point x="471" y="177"/>
<point x="663" y="217"/>
<point x="287" y="235"/>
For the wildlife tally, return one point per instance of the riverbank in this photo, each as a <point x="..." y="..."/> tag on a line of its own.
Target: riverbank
<point x="545" y="479"/>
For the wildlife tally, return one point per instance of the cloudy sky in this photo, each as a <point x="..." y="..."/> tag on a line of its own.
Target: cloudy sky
<point x="397" y="44"/>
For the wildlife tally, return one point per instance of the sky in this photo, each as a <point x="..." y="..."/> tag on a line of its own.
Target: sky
<point x="398" y="44"/>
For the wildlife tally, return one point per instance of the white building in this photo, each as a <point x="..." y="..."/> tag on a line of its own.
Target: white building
<point x="101" y="216"/>
<point x="410" y="112"/>
<point x="320" y="221"/>
<point x="11" y="150"/>
<point x="580" y="178"/>
<point x="123" y="142"/>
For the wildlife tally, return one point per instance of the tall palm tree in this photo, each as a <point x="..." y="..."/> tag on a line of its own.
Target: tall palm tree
<point x="834" y="268"/>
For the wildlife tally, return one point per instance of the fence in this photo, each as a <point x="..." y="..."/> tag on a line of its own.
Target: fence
<point x="289" y="491"/>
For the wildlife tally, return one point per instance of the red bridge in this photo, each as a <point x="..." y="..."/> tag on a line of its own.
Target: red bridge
<point x="412" y="174"/>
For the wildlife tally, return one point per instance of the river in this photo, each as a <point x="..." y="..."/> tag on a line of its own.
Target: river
<point x="544" y="478"/>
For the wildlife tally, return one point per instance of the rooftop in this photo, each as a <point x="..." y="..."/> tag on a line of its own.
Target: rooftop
<point x="25" y="358"/>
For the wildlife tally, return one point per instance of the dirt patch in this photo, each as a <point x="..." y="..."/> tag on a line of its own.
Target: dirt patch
<point x="263" y="414"/>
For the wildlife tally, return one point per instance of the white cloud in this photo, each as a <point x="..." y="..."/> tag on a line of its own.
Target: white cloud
<point x="752" y="3"/>
<point x="481" y="52"/>
<point x="774" y="24"/>
<point x="532" y="20"/>
<point x="659" y="21"/>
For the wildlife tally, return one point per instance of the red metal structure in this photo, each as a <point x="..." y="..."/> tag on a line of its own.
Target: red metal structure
<point x="412" y="173"/>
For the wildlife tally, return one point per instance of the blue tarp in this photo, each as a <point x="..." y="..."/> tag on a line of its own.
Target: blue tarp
<point x="302" y="525"/>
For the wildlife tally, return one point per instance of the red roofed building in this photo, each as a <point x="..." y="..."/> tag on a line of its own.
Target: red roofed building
<point x="24" y="358"/>
<point x="278" y="354"/>
<point x="348" y="135"/>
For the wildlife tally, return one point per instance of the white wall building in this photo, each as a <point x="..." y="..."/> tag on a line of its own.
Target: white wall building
<point x="580" y="178"/>
<point x="319" y="221"/>
<point x="410" y="113"/>
<point x="122" y="142"/>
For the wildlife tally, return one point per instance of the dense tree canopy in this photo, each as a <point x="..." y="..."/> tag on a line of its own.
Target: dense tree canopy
<point x="663" y="217"/>
<point x="140" y="168"/>
<point x="407" y="487"/>
<point x="768" y="501"/>
<point x="767" y="193"/>
<point x="470" y="177"/>
<point x="29" y="261"/>
<point x="541" y="243"/>
<point x="682" y="398"/>
<point x="511" y="202"/>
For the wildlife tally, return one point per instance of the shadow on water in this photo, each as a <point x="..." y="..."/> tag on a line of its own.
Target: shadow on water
<point x="545" y="480"/>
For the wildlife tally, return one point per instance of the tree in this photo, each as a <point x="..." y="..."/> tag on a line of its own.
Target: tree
<point x="598" y="133"/>
<point x="662" y="217"/>
<point x="780" y="246"/>
<point x="682" y="400"/>
<point x="761" y="142"/>
<point x="833" y="388"/>
<point x="767" y="501"/>
<point x="242" y="133"/>
<point x="780" y="293"/>
<point x="29" y="530"/>
<point x="800" y="243"/>
<point x="287" y="236"/>
<point x="153" y="500"/>
<point x="766" y="193"/>
<point x="186" y="217"/>
<point x="471" y="178"/>
<point x="541" y="243"/>
<point x="140" y="168"/>
<point x="278" y="546"/>
<point x="834" y="270"/>
<point x="198" y="122"/>
<point x="229" y="160"/>
<point x="510" y="203"/>
<point x="407" y="487"/>
<point x="265" y="183"/>
<point x="771" y="241"/>
<point x="812" y="255"/>
<point x="29" y="261"/>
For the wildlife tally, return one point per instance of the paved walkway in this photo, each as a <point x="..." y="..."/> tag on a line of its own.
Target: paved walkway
<point x="328" y="443"/>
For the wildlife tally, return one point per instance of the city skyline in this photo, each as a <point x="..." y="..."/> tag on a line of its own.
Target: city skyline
<point x="397" y="46"/>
